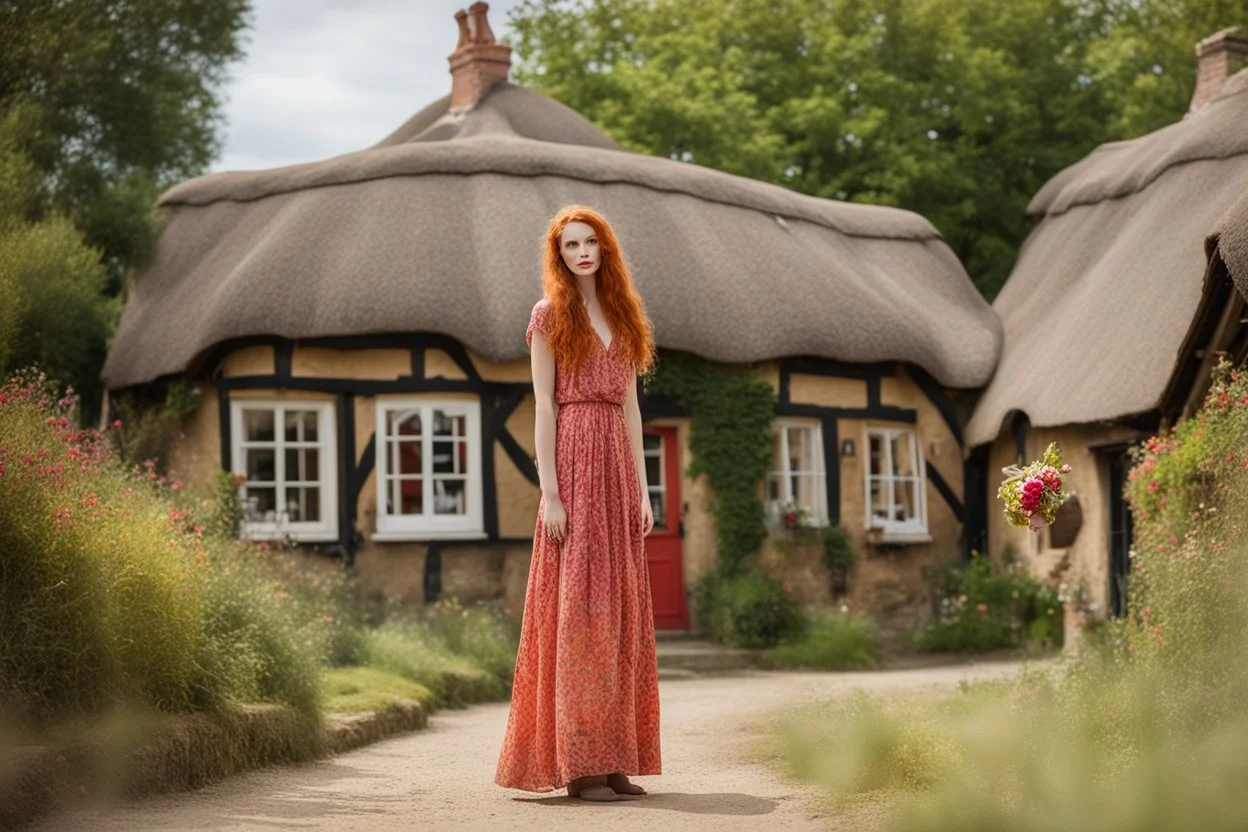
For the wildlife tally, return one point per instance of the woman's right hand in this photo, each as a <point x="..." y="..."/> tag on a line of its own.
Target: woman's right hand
<point x="555" y="518"/>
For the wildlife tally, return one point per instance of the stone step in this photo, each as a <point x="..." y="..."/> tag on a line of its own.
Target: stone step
<point x="702" y="656"/>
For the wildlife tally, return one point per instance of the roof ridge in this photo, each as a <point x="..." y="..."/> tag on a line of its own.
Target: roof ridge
<point x="741" y="198"/>
<point x="1122" y="144"/>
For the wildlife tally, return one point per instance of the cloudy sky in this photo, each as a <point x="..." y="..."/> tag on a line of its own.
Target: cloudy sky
<point x="323" y="77"/>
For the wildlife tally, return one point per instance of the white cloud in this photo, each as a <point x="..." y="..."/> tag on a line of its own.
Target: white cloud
<point x="323" y="77"/>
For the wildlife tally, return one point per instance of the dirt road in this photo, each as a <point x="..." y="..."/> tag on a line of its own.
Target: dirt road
<point x="442" y="777"/>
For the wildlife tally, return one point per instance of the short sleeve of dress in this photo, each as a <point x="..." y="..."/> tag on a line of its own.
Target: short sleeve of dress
<point x="537" y="321"/>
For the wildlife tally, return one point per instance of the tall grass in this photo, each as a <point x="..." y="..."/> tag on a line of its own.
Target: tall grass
<point x="112" y="592"/>
<point x="119" y="586"/>
<point x="833" y="641"/>
<point x="1147" y="731"/>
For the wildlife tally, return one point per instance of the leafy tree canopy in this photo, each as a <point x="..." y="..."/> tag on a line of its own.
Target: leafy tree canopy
<point x="118" y="99"/>
<point x="103" y="103"/>
<point x="957" y="109"/>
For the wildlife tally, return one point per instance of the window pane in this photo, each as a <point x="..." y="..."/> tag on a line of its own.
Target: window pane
<point x="406" y="495"/>
<point x="778" y="462"/>
<point x="904" y="494"/>
<point x="409" y="457"/>
<point x="302" y="464"/>
<point x="806" y="492"/>
<point x="449" y="424"/>
<point x="258" y="425"/>
<point x="259" y="504"/>
<point x="903" y="459"/>
<point x="303" y="505"/>
<point x="801" y="449"/>
<point x="300" y="426"/>
<point x="403" y="422"/>
<point x="444" y="458"/>
<point x="651" y="442"/>
<point x="658" y="508"/>
<point x="879" y="499"/>
<point x="877" y="454"/>
<point x="450" y="497"/>
<point x="654" y="470"/>
<point x="261" y="464"/>
<point x="773" y="487"/>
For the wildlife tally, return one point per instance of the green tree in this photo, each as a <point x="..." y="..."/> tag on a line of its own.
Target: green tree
<point x="103" y="103"/>
<point x="54" y="311"/>
<point x="957" y="109"/>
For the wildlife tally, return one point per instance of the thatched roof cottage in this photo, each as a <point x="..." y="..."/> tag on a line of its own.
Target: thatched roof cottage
<point x="1227" y="246"/>
<point x="1112" y="320"/>
<point x="355" y="327"/>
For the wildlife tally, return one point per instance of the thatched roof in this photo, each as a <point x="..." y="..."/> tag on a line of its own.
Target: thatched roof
<point x="1228" y="242"/>
<point x="438" y="228"/>
<point x="1109" y="282"/>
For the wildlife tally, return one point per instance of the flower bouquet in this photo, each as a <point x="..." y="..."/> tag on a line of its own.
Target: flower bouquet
<point x="1033" y="493"/>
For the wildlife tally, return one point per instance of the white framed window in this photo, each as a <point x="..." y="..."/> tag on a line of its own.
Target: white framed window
<point x="896" y="498"/>
<point x="798" y="475"/>
<point x="286" y="450"/>
<point x="428" y="468"/>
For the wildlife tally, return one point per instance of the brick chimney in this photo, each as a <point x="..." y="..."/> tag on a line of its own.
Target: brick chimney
<point x="1221" y="56"/>
<point x="478" y="63"/>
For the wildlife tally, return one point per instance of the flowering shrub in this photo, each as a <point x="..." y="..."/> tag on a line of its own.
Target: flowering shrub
<point x="981" y="608"/>
<point x="1033" y="494"/>
<point x="1188" y="491"/>
<point x="113" y="589"/>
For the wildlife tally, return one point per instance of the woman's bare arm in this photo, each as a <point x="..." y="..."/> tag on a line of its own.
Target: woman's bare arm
<point x="543" y="368"/>
<point x="632" y="414"/>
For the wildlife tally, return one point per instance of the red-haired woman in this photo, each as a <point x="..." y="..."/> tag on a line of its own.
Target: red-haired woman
<point x="585" y="700"/>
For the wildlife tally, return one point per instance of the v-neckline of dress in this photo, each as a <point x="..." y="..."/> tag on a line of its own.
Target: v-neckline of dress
<point x="605" y="347"/>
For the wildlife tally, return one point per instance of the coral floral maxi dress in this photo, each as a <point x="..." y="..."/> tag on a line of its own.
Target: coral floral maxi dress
<point x="585" y="698"/>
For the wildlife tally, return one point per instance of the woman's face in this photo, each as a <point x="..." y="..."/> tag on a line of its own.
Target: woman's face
<point x="579" y="245"/>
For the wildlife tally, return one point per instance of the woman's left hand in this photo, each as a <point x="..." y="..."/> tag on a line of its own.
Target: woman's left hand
<point x="647" y="515"/>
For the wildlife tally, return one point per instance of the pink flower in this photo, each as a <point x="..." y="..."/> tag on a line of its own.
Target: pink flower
<point x="116" y="423"/>
<point x="1066" y="469"/>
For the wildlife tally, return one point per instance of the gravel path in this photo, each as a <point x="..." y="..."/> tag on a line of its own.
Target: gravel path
<point x="442" y="777"/>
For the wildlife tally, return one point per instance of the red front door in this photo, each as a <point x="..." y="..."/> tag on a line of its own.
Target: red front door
<point x="664" y="553"/>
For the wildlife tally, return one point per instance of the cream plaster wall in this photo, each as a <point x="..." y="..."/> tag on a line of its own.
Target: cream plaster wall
<point x="379" y="365"/>
<point x="257" y="360"/>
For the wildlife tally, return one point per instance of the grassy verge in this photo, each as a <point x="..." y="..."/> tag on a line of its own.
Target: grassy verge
<point x="833" y="641"/>
<point x="368" y="689"/>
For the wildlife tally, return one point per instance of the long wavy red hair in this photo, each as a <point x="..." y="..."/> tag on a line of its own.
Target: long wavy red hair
<point x="571" y="336"/>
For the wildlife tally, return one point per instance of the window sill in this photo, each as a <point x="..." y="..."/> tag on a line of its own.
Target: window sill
<point x="298" y="537"/>
<point x="422" y="535"/>
<point x="884" y="538"/>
